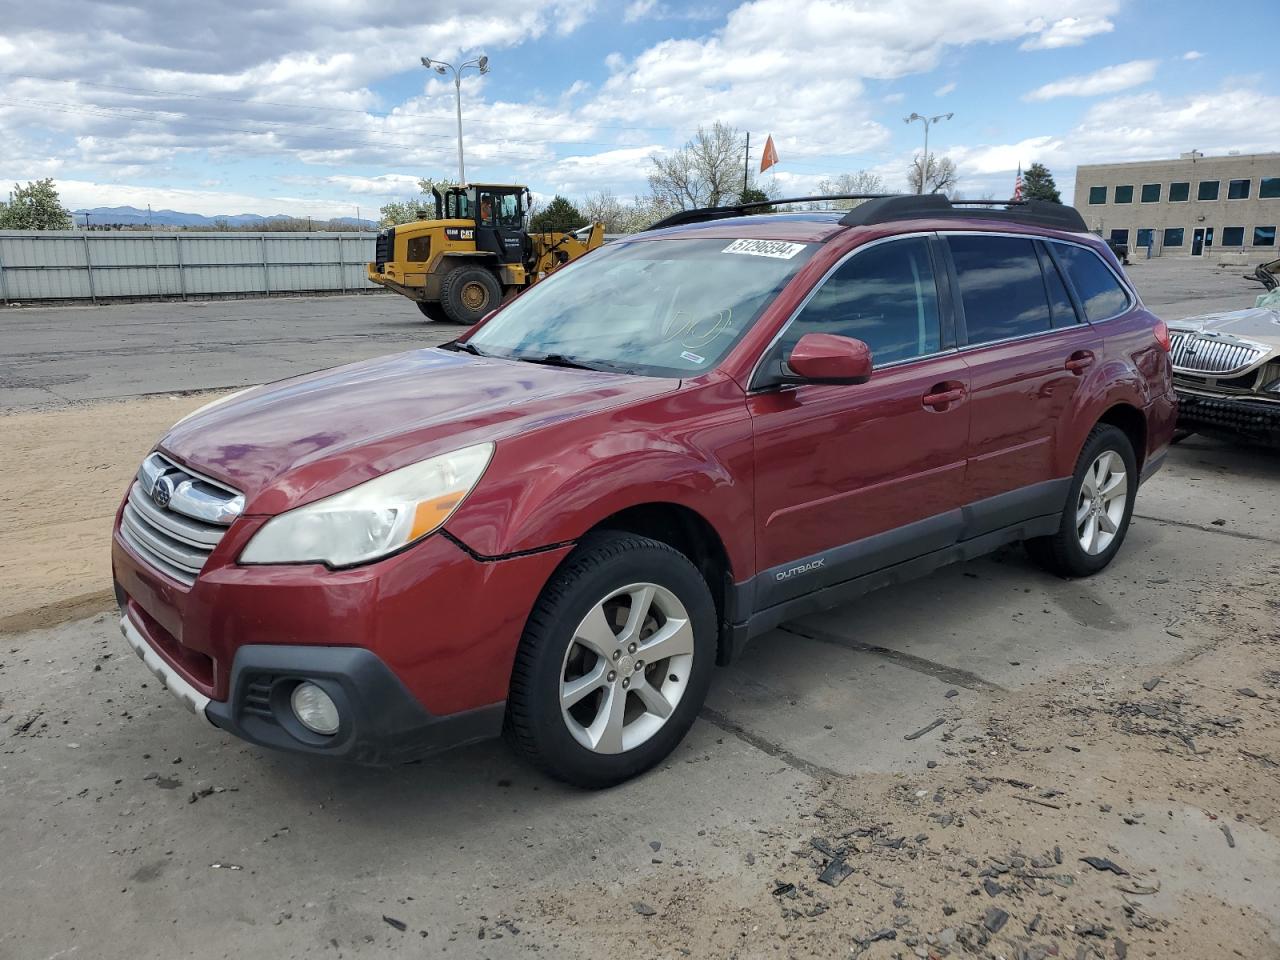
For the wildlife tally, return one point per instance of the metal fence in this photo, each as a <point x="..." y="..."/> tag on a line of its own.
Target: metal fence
<point x="106" y="264"/>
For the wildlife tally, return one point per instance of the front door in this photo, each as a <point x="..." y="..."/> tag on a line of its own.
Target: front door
<point x="500" y="223"/>
<point x="1197" y="242"/>
<point x="853" y="478"/>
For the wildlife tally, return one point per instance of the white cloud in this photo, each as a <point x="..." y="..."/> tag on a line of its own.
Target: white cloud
<point x="1193" y="55"/>
<point x="1112" y="79"/>
<point x="946" y="88"/>
<point x="1069" y="32"/>
<point x="894" y="97"/>
<point x="639" y="10"/>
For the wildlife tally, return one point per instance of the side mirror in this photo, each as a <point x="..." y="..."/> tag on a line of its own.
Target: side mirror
<point x="827" y="358"/>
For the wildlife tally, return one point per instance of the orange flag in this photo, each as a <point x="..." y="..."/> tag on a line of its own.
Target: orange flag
<point x="770" y="155"/>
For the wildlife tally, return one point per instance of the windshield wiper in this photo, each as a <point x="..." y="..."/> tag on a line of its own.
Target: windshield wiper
<point x="558" y="360"/>
<point x="466" y="348"/>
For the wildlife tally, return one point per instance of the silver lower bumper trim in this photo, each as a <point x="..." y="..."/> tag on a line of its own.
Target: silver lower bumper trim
<point x="189" y="696"/>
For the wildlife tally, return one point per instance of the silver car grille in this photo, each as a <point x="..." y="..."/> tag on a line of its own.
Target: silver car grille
<point x="1194" y="353"/>
<point x="174" y="517"/>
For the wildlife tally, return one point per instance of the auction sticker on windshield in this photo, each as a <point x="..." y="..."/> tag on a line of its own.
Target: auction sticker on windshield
<point x="778" y="249"/>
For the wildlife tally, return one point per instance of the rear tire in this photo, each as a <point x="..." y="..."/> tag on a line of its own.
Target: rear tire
<point x="1098" y="509"/>
<point x="468" y="293"/>
<point x="432" y="310"/>
<point x="584" y="705"/>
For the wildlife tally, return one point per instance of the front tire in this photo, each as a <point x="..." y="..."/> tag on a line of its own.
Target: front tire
<point x="615" y="661"/>
<point x="468" y="293"/>
<point x="432" y="310"/>
<point x="1098" y="510"/>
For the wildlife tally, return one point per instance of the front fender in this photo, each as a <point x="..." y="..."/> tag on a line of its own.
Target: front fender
<point x="691" y="447"/>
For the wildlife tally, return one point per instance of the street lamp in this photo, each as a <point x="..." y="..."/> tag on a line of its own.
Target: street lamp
<point x="439" y="66"/>
<point x="927" y="121"/>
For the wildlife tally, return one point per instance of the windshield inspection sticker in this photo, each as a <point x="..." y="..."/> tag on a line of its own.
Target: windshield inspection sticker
<point x="778" y="249"/>
<point x="692" y="357"/>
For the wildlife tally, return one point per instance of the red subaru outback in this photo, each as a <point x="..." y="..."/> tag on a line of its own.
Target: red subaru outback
<point x="558" y="524"/>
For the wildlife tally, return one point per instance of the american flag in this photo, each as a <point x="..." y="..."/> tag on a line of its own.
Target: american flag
<point x="1017" y="185"/>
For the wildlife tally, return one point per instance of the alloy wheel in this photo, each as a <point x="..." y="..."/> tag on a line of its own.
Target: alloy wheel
<point x="626" y="668"/>
<point x="1104" y="495"/>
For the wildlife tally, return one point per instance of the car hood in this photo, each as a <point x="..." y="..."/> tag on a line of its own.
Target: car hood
<point x="288" y="443"/>
<point x="1259" y="324"/>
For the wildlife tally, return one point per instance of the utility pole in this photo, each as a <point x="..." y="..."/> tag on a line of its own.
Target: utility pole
<point x="927" y="121"/>
<point x="746" y="166"/>
<point x="439" y="66"/>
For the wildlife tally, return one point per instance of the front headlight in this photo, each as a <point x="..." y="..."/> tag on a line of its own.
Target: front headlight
<point x="375" y="518"/>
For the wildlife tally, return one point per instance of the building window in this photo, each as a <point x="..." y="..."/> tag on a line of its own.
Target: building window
<point x="1179" y="192"/>
<point x="1124" y="194"/>
<point x="1144" y="236"/>
<point x="1208" y="190"/>
<point x="1151" y="193"/>
<point x="1264" y="236"/>
<point x="1238" y="190"/>
<point x="1173" y="237"/>
<point x="1097" y="195"/>
<point x="1119" y="236"/>
<point x="1269" y="188"/>
<point x="1233" y="236"/>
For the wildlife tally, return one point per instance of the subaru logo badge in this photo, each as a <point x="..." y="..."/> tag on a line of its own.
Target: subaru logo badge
<point x="162" y="492"/>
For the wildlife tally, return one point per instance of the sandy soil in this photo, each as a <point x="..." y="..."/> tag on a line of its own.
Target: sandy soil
<point x="65" y="473"/>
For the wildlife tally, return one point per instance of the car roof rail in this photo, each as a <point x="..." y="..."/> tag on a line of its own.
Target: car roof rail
<point x="700" y="214"/>
<point x="887" y="207"/>
<point x="930" y="206"/>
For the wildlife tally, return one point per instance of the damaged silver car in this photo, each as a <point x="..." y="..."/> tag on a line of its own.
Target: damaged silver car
<point x="1226" y="368"/>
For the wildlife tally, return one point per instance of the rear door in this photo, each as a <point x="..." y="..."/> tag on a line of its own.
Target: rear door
<point x="851" y="478"/>
<point x="1028" y="350"/>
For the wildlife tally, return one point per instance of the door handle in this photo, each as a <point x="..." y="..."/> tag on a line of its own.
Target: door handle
<point x="943" y="395"/>
<point x="1079" y="361"/>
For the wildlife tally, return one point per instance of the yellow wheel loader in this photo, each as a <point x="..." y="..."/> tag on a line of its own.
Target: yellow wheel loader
<point x="475" y="254"/>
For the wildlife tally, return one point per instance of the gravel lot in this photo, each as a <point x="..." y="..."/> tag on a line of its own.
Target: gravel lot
<point x="1130" y="718"/>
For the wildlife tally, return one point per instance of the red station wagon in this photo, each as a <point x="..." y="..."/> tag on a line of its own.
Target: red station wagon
<point x="558" y="524"/>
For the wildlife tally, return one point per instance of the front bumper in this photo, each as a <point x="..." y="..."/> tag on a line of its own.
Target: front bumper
<point x="416" y="649"/>
<point x="1236" y="416"/>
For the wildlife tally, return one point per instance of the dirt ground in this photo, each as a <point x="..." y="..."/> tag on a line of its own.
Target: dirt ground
<point x="65" y="473"/>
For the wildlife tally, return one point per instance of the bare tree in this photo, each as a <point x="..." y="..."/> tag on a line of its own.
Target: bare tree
<point x="938" y="174"/>
<point x="603" y="207"/>
<point x="705" y="172"/>
<point x="864" y="181"/>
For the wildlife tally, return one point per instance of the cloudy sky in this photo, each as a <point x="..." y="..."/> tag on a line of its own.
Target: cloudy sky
<point x="317" y="107"/>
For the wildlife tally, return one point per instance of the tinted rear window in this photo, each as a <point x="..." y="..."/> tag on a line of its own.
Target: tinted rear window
<point x="1096" y="286"/>
<point x="1001" y="287"/>
<point x="1064" y="314"/>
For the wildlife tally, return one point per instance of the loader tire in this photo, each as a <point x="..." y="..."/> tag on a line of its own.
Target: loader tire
<point x="468" y="293"/>
<point x="432" y="310"/>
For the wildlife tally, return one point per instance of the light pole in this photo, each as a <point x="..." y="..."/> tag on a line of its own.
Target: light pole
<point x="927" y="121"/>
<point x="439" y="66"/>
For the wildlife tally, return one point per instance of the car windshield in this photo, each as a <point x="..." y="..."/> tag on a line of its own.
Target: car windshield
<point x="661" y="308"/>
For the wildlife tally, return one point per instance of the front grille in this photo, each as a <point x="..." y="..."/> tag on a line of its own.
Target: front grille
<point x="1195" y="353"/>
<point x="174" y="517"/>
<point x="384" y="247"/>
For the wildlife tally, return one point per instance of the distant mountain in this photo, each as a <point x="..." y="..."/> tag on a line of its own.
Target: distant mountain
<point x="133" y="217"/>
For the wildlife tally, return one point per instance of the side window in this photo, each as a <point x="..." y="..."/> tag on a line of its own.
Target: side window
<point x="884" y="296"/>
<point x="1060" y="307"/>
<point x="1099" y="291"/>
<point x="1001" y="286"/>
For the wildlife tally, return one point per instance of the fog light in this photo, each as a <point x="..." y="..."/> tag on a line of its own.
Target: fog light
<point x="314" y="709"/>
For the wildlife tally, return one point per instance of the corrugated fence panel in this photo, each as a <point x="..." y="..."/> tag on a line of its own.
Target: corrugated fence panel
<point x="55" y="265"/>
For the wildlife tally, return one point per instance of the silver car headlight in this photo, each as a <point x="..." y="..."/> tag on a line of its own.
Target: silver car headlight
<point x="378" y="517"/>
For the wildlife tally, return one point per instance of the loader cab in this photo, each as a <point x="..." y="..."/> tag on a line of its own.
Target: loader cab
<point x="498" y="212"/>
